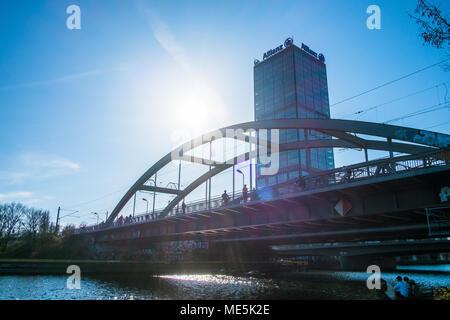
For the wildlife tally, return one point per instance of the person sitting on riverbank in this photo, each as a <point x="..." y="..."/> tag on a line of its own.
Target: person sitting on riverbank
<point x="387" y="290"/>
<point x="408" y="285"/>
<point x="412" y="287"/>
<point x="401" y="289"/>
<point x="414" y="290"/>
<point x="382" y="291"/>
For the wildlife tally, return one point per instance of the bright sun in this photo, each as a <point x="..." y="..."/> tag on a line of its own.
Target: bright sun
<point x="192" y="113"/>
<point x="196" y="106"/>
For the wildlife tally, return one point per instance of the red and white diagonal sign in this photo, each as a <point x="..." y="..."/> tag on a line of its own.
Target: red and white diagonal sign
<point x="343" y="207"/>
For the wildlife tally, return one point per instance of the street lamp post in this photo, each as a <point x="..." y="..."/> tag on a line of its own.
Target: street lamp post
<point x="243" y="185"/>
<point x="96" y="214"/>
<point x="146" y="212"/>
<point x="154" y="194"/>
<point x="243" y="179"/>
<point x="134" y="204"/>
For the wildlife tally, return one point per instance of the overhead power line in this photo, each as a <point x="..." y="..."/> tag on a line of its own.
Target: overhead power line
<point x="438" y="125"/>
<point x="389" y="82"/>
<point x="94" y="200"/>
<point x="436" y="107"/>
<point x="363" y="111"/>
<point x="433" y="108"/>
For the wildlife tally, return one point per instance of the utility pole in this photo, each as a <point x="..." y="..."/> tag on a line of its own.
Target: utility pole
<point x="179" y="181"/>
<point x="251" y="176"/>
<point x="154" y="195"/>
<point x="250" y="159"/>
<point x="233" y="180"/>
<point x="134" y="204"/>
<point x="57" y="220"/>
<point x="209" y="193"/>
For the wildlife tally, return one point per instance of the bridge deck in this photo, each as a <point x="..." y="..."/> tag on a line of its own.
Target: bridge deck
<point x="308" y="212"/>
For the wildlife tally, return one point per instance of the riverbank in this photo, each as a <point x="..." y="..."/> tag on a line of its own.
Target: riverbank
<point x="59" y="267"/>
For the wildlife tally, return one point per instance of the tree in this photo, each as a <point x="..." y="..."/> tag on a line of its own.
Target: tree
<point x="2" y="220"/>
<point x="68" y="230"/>
<point x="44" y="222"/>
<point x="11" y="218"/>
<point x="32" y="218"/>
<point x="434" y="28"/>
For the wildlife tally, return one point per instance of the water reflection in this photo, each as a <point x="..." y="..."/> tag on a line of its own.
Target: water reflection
<point x="439" y="267"/>
<point x="307" y="285"/>
<point x="219" y="286"/>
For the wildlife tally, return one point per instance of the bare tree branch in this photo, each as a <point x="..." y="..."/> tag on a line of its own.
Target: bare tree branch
<point x="434" y="28"/>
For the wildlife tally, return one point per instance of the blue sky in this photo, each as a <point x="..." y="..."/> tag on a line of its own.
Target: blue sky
<point x="83" y="113"/>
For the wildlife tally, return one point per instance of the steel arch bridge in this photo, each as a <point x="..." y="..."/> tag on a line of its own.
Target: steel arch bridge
<point x="337" y="134"/>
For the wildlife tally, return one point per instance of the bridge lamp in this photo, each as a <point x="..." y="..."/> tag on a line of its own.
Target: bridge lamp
<point x="243" y="181"/>
<point x="95" y="214"/>
<point x="146" y="212"/>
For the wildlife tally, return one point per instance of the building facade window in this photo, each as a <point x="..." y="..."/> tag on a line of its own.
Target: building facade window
<point x="293" y="84"/>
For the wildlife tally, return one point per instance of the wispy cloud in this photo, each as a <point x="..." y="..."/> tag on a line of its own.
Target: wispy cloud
<point x="32" y="166"/>
<point x="25" y="197"/>
<point x="62" y="79"/>
<point x="40" y="161"/>
<point x="66" y="78"/>
<point x="14" y="196"/>
<point x="168" y="42"/>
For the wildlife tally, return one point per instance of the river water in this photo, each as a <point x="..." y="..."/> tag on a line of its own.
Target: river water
<point x="306" y="285"/>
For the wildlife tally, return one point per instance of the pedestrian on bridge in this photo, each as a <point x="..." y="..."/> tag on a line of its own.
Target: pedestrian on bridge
<point x="225" y="198"/>
<point x="348" y="174"/>
<point x="301" y="183"/>
<point x="245" y="193"/>
<point x="183" y="207"/>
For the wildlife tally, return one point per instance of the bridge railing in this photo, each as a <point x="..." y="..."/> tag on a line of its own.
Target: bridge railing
<point x="357" y="172"/>
<point x="191" y="207"/>
<point x="438" y="220"/>
<point x="373" y="169"/>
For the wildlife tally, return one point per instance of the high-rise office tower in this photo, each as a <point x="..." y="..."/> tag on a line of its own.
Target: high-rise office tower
<point x="291" y="82"/>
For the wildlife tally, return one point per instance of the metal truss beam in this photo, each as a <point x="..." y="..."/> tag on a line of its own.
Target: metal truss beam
<point x="424" y="141"/>
<point x="159" y="189"/>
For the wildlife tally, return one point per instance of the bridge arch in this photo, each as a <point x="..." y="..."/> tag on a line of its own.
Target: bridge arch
<point x="344" y="133"/>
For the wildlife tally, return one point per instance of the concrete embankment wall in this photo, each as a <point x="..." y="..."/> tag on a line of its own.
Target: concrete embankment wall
<point x="42" y="267"/>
